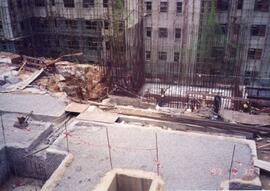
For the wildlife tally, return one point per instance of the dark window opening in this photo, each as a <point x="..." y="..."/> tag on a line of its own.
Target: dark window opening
<point x="163" y="33"/>
<point x="1" y="25"/>
<point x="92" y="25"/>
<point x="53" y="2"/>
<point x="73" y="44"/>
<point x="162" y="56"/>
<point x="108" y="45"/>
<point x="254" y="54"/>
<point x="19" y="3"/>
<point x="148" y="32"/>
<point x="39" y="3"/>
<point x="57" y="43"/>
<point x="121" y="26"/>
<point x="22" y="25"/>
<point x="222" y="5"/>
<point x="147" y="55"/>
<point x="240" y="4"/>
<point x="218" y="52"/>
<point x="105" y="3"/>
<point x="69" y="3"/>
<point x="94" y="44"/>
<point x="148" y="6"/>
<point x="177" y="33"/>
<point x="258" y="30"/>
<point x="261" y="5"/>
<point x="71" y="24"/>
<point x="88" y="3"/>
<point x="179" y="6"/>
<point x="163" y="7"/>
<point x="223" y="28"/>
<point x="176" y="56"/>
<point x="106" y="24"/>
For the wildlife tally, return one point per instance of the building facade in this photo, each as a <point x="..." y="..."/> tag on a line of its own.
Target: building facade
<point x="166" y="40"/>
<point x="209" y="37"/>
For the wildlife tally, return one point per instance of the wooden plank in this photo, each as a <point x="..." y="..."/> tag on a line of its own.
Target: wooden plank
<point x="76" y="107"/>
<point x="264" y="165"/>
<point x="99" y="116"/>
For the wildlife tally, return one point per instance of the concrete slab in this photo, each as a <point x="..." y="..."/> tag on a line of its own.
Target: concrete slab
<point x="76" y="107"/>
<point x="264" y="165"/>
<point x="23" y="138"/>
<point x="98" y="116"/>
<point x="41" y="105"/>
<point x="186" y="160"/>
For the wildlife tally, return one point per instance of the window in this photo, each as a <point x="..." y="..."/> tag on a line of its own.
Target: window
<point x="162" y="56"/>
<point x="222" y="5"/>
<point x="71" y="24"/>
<point x="52" y="2"/>
<point x="68" y="3"/>
<point x="106" y="24"/>
<point x="147" y="55"/>
<point x="148" y="32"/>
<point x="39" y="3"/>
<point x="258" y="30"/>
<point x="218" y="52"/>
<point x="255" y="54"/>
<point x="19" y="3"/>
<point x="223" y="28"/>
<point x="108" y="45"/>
<point x="240" y="4"/>
<point x="176" y="56"/>
<point x="261" y="5"/>
<point x="92" y="43"/>
<point x="73" y="44"/>
<point x="177" y="33"/>
<point x="1" y="25"/>
<point x="92" y="25"/>
<point x="179" y="7"/>
<point x="57" y="43"/>
<point x="88" y="3"/>
<point x="148" y="6"/>
<point x="105" y="3"/>
<point x="163" y="7"/>
<point x="22" y="25"/>
<point x="163" y="33"/>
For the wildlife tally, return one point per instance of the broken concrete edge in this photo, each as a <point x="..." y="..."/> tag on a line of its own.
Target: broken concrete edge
<point x="39" y="117"/>
<point x="239" y="184"/>
<point x="105" y="183"/>
<point x="42" y="136"/>
<point x="55" y="178"/>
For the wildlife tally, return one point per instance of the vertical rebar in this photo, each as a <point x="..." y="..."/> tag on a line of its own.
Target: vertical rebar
<point x="157" y="158"/>
<point x="109" y="147"/>
<point x="231" y="162"/>
<point x="3" y="128"/>
<point x="66" y="137"/>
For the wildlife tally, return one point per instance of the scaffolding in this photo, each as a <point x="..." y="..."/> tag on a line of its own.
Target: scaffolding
<point x="190" y="48"/>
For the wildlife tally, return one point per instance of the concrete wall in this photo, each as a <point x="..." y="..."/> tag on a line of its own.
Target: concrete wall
<point x="4" y="170"/>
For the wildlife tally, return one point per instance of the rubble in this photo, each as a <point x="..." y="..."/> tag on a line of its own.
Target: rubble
<point x="82" y="81"/>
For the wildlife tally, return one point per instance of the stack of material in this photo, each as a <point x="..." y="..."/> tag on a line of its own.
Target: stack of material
<point x="82" y="81"/>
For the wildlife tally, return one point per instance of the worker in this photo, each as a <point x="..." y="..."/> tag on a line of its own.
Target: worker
<point x="216" y="106"/>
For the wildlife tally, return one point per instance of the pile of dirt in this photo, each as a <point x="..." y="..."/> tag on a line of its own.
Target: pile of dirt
<point x="82" y="81"/>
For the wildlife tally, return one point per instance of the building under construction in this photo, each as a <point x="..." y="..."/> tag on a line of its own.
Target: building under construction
<point x="189" y="48"/>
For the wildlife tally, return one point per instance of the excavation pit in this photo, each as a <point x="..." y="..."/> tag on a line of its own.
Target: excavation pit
<point x="131" y="180"/>
<point x="23" y="159"/>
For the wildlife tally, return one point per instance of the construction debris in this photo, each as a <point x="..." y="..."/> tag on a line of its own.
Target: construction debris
<point x="82" y="81"/>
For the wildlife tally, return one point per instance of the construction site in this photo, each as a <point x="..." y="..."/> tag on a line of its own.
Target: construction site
<point x="134" y="95"/>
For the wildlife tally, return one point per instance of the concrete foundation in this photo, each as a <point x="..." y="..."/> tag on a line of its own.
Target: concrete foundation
<point x="187" y="160"/>
<point x="16" y="156"/>
<point x="131" y="180"/>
